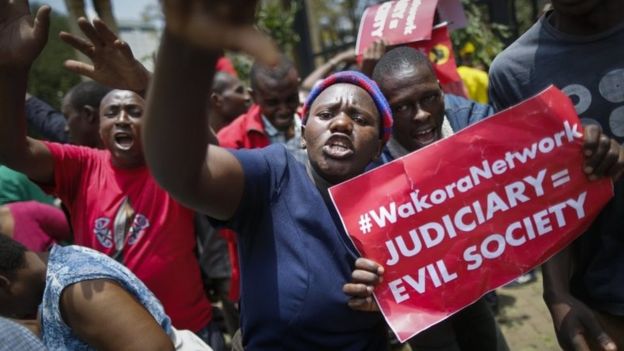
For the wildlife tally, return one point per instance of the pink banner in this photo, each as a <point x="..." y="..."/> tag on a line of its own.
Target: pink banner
<point x="397" y="22"/>
<point x="472" y="212"/>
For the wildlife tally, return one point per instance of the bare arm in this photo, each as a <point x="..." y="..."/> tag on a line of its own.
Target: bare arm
<point x="206" y="178"/>
<point x="371" y="56"/>
<point x="107" y="317"/>
<point x="347" y="56"/>
<point x="22" y="38"/>
<point x="575" y="325"/>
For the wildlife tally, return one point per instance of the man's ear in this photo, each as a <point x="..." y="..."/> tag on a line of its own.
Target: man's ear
<point x="90" y="114"/>
<point x="380" y="147"/>
<point x="5" y="282"/>
<point x="215" y="100"/>
<point x="253" y="95"/>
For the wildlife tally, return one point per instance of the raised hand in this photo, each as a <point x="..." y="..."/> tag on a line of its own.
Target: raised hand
<point x="365" y="277"/>
<point x="219" y="25"/>
<point x="113" y="65"/>
<point x="22" y="36"/>
<point x="371" y="56"/>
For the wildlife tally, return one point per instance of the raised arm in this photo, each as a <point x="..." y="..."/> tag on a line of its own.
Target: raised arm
<point x="347" y="57"/>
<point x="206" y="178"/>
<point x="22" y="37"/>
<point x="107" y="317"/>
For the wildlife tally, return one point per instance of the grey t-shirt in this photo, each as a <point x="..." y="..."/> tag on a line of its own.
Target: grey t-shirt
<point x="589" y="69"/>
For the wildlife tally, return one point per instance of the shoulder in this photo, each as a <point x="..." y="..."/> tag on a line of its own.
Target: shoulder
<point x="62" y="152"/>
<point x="518" y="53"/>
<point x="274" y="156"/>
<point x="237" y="130"/>
<point x="71" y="264"/>
<point x="462" y="112"/>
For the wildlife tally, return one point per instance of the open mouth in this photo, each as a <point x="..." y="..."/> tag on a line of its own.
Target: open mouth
<point x="338" y="147"/>
<point x="425" y="136"/>
<point x="284" y="119"/>
<point x="124" y="141"/>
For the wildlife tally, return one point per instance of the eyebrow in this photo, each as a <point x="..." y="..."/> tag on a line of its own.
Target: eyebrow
<point x="351" y="107"/>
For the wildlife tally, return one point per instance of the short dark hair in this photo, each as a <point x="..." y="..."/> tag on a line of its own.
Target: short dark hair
<point x="12" y="254"/>
<point x="87" y="93"/>
<point x="276" y="73"/>
<point x="399" y="59"/>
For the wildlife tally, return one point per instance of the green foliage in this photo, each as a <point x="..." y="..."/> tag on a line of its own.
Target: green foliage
<point x="277" y="20"/>
<point x="48" y="79"/>
<point x="242" y="64"/>
<point x="487" y="37"/>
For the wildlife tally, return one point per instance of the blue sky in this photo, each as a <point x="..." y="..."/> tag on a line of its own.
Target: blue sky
<point x="124" y="9"/>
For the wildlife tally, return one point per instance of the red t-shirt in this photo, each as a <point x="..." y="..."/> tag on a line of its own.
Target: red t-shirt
<point x="126" y="215"/>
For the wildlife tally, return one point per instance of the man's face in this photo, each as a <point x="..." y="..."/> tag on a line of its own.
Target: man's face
<point x="121" y="113"/>
<point x="342" y="132"/>
<point x="278" y="100"/>
<point x="575" y="7"/>
<point x="234" y="100"/>
<point x="417" y="106"/>
<point x="82" y="124"/>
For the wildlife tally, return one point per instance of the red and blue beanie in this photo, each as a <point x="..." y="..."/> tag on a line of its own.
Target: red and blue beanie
<point x="359" y="79"/>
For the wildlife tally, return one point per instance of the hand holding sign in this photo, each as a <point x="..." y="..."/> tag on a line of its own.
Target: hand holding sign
<point x="604" y="156"/>
<point x="366" y="276"/>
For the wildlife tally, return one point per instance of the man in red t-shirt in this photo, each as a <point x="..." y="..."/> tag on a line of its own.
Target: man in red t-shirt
<point x="273" y="117"/>
<point x="116" y="207"/>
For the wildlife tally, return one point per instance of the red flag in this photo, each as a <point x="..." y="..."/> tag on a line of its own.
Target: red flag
<point x="440" y="51"/>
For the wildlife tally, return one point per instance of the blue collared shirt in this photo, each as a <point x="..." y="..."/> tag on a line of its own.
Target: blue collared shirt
<point x="16" y="337"/>
<point x="293" y="145"/>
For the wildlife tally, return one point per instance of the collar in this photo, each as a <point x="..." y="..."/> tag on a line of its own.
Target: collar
<point x="397" y="150"/>
<point x="273" y="132"/>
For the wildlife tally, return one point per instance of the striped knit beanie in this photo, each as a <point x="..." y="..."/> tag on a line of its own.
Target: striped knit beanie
<point x="359" y="79"/>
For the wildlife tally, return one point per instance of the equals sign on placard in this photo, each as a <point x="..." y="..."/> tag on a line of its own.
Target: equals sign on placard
<point x="560" y="178"/>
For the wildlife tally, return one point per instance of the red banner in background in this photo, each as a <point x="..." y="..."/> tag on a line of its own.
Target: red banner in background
<point x="472" y="212"/>
<point x="397" y="22"/>
<point x="440" y="51"/>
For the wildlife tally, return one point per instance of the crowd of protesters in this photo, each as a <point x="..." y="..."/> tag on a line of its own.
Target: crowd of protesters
<point x="180" y="210"/>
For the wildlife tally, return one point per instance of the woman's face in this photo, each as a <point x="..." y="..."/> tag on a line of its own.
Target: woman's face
<point x="342" y="132"/>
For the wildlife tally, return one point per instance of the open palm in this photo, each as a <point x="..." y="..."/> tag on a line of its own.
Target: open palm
<point x="113" y="65"/>
<point x="218" y="25"/>
<point x="22" y="36"/>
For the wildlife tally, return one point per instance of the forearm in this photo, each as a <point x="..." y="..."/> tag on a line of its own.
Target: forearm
<point x="557" y="272"/>
<point x="13" y="142"/>
<point x="318" y="74"/>
<point x="175" y="137"/>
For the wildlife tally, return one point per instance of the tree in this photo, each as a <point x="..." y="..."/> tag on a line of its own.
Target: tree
<point x="48" y="79"/>
<point x="486" y="37"/>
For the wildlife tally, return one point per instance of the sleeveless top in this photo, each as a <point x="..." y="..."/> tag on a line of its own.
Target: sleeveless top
<point x="72" y="264"/>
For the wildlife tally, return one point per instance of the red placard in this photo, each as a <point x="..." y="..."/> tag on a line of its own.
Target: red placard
<point x="472" y="212"/>
<point x="397" y="22"/>
<point x="440" y="51"/>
